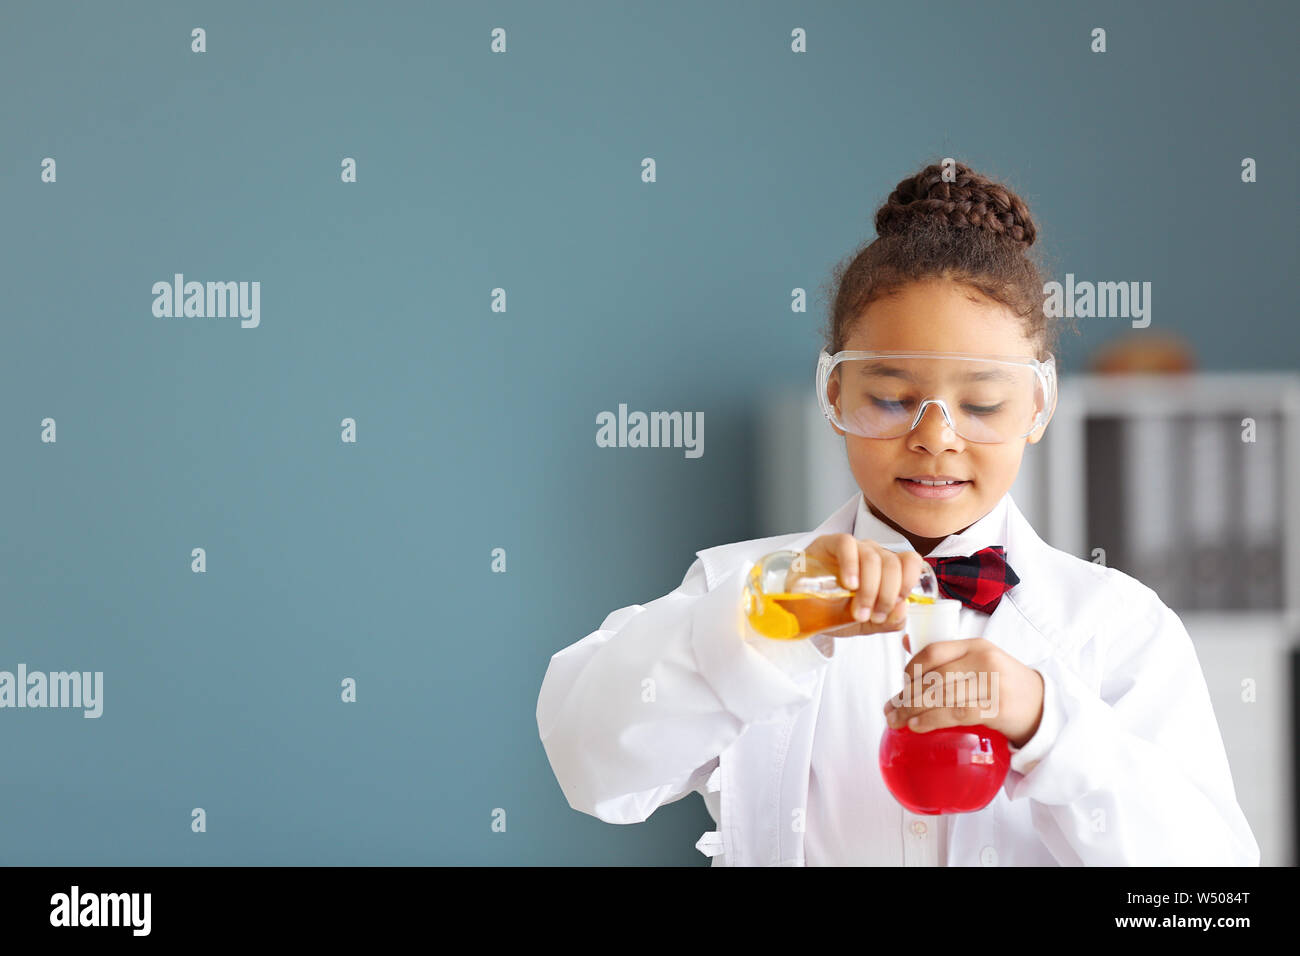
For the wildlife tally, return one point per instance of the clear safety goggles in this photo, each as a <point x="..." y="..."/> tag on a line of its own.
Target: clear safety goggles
<point x="983" y="398"/>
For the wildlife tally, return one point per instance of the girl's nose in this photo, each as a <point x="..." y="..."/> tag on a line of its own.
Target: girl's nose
<point x="932" y="430"/>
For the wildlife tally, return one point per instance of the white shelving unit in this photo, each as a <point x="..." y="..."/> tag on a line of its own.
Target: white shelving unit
<point x="1059" y="475"/>
<point x="1152" y="469"/>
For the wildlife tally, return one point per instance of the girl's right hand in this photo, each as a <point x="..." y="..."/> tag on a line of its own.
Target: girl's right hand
<point x="881" y="578"/>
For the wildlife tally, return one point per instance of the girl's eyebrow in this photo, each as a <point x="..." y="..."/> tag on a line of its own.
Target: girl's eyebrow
<point x="984" y="375"/>
<point x="875" y="368"/>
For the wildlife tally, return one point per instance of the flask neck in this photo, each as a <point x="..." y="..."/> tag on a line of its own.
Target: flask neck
<point x="927" y="623"/>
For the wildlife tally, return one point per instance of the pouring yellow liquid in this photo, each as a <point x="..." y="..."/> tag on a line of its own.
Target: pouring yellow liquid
<point x="792" y="616"/>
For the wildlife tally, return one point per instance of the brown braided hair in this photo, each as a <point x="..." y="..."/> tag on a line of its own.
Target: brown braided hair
<point x="972" y="230"/>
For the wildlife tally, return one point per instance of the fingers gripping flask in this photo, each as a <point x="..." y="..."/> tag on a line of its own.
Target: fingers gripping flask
<point x="790" y="596"/>
<point x="952" y="769"/>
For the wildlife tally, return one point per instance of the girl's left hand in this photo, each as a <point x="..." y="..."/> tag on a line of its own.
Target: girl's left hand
<point x="1012" y="705"/>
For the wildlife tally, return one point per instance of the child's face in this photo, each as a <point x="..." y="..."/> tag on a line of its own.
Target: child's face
<point x="937" y="316"/>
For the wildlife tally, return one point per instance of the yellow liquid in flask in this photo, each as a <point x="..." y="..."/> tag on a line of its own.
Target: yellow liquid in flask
<point x="793" y="616"/>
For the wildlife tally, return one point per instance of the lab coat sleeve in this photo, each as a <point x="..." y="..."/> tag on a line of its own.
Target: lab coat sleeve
<point x="636" y="714"/>
<point x="1136" y="775"/>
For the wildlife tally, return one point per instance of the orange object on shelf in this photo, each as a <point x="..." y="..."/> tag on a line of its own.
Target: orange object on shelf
<point x="1144" y="353"/>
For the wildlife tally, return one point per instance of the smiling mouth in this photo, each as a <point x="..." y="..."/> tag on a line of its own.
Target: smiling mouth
<point x="933" y="487"/>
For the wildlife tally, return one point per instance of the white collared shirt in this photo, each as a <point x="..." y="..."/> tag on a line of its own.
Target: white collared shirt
<point x="852" y="818"/>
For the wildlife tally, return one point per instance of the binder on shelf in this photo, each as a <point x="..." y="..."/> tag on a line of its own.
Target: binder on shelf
<point x="1208" y="535"/>
<point x="1261" y="503"/>
<point x="1151" y="509"/>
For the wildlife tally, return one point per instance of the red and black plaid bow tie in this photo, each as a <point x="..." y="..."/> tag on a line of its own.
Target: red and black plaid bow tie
<point x="978" y="580"/>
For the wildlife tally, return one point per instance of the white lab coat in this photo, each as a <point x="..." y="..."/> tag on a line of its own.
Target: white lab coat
<point x="1127" y="766"/>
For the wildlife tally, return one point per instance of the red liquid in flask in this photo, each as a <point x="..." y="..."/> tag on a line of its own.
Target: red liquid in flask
<point x="949" y="770"/>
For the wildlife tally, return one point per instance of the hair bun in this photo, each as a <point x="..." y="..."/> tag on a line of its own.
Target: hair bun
<point x="970" y="201"/>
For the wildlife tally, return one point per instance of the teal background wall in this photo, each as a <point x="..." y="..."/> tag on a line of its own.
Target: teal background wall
<point x="476" y="428"/>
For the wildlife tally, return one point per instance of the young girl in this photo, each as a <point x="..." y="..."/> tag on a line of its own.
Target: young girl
<point x="937" y="373"/>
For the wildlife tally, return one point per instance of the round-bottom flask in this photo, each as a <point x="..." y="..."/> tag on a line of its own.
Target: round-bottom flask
<point x="952" y="769"/>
